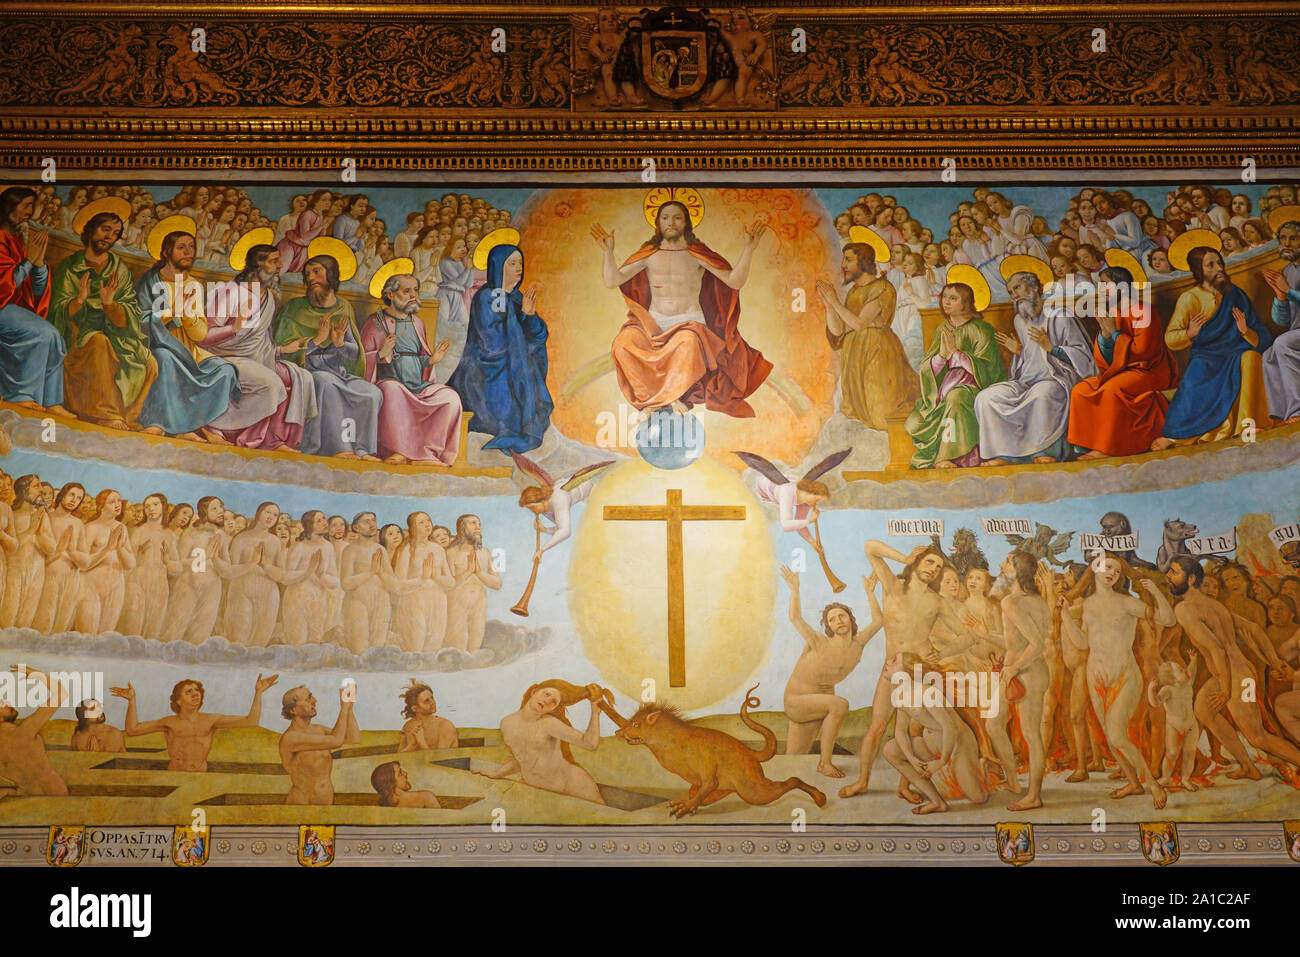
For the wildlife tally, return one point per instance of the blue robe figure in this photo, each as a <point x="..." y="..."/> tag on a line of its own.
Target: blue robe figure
<point x="1212" y="382"/>
<point x="501" y="376"/>
<point x="188" y="393"/>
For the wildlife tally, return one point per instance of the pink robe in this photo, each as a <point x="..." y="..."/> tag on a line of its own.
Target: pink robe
<point x="418" y="425"/>
<point x="293" y="247"/>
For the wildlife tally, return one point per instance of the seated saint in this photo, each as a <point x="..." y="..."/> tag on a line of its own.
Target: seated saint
<point x="1024" y="418"/>
<point x="194" y="389"/>
<point x="241" y="331"/>
<point x="876" y="380"/>
<point x="108" y="370"/>
<point x="319" y="332"/>
<point x="963" y="359"/>
<point x="1282" y="359"/>
<point x="681" y="344"/>
<point x="420" y="419"/>
<point x="1223" y="385"/>
<point x="31" y="350"/>
<point x="1121" y="410"/>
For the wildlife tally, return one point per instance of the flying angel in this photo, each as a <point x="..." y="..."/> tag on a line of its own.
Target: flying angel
<point x="797" y="502"/>
<point x="555" y="500"/>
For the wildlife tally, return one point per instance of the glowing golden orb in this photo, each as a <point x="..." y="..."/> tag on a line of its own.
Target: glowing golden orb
<point x="618" y="585"/>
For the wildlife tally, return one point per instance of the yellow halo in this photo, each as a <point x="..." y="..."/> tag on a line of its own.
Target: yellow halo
<point x="261" y="236"/>
<point x="166" y="226"/>
<point x="341" y="251"/>
<point x="401" y="266"/>
<point x="105" y="204"/>
<point x="861" y="234"/>
<point x="1022" y="263"/>
<point x="502" y="235"/>
<point x="1123" y="259"/>
<point x="686" y="195"/>
<point x="1192" y="239"/>
<point x="1283" y="215"/>
<point x="963" y="275"/>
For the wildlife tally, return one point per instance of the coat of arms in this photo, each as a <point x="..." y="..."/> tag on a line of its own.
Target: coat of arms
<point x="1159" y="842"/>
<point x="65" y="846"/>
<point x="190" y="846"/>
<point x="1016" y="843"/>
<point x="315" y="845"/>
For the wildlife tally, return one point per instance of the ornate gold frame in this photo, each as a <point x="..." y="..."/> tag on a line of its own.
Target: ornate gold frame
<point x="1027" y="92"/>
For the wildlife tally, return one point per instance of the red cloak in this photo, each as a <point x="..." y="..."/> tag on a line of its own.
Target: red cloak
<point x="11" y="254"/>
<point x="1121" y="411"/>
<point x="725" y="369"/>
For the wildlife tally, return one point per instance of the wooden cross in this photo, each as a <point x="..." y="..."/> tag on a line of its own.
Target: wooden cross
<point x="674" y="513"/>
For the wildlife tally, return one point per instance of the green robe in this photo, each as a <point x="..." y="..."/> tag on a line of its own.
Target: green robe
<point x="129" y="342"/>
<point x="934" y="440"/>
<point x="298" y="318"/>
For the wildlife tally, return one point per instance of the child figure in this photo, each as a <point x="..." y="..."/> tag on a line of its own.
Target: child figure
<point x="604" y="48"/>
<point x="1173" y="691"/>
<point x="747" y="47"/>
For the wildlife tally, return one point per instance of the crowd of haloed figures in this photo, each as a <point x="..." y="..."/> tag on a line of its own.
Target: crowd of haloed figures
<point x="1090" y="367"/>
<point x="181" y="571"/>
<point x="440" y="237"/>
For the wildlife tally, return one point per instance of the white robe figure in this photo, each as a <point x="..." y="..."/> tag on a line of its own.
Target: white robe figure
<point x="793" y="516"/>
<point x="1282" y="358"/>
<point x="1028" y="413"/>
<point x="1128" y="232"/>
<point x="1018" y="236"/>
<point x="914" y="293"/>
<point x="561" y="511"/>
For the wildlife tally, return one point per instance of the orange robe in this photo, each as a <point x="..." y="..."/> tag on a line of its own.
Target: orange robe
<point x="1121" y="411"/>
<point x="707" y="363"/>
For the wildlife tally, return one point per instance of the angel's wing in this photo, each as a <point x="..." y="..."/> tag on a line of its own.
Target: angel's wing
<point x="826" y="464"/>
<point x="585" y="474"/>
<point x="1060" y="543"/>
<point x="763" y="467"/>
<point x="530" y="467"/>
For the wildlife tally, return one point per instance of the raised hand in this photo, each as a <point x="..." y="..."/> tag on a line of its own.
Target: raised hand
<point x="376" y="561"/>
<point x="128" y="692"/>
<point x="258" y="554"/>
<point x="440" y="350"/>
<point x="603" y="239"/>
<point x="1195" y="324"/>
<point x="826" y="290"/>
<point x="109" y="289"/>
<point x="1040" y="336"/>
<point x="83" y="291"/>
<point x="755" y="232"/>
<point x="1277" y="282"/>
<point x="1239" y="318"/>
<point x="1010" y="343"/>
<point x="427" y="571"/>
<point x="316" y="563"/>
<point x="530" y="299"/>
<point x="37" y="243"/>
<point x="791" y="577"/>
<point x="264" y="683"/>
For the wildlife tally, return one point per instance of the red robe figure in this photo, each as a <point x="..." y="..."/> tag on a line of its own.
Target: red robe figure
<point x="1121" y="411"/>
<point x="696" y="357"/>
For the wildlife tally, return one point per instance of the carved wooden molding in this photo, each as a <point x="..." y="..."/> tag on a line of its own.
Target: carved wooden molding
<point x="415" y="85"/>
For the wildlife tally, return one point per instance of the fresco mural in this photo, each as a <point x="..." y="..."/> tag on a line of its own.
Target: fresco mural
<point x="649" y="505"/>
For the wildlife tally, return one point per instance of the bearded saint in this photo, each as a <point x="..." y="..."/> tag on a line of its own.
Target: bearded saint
<point x="681" y="345"/>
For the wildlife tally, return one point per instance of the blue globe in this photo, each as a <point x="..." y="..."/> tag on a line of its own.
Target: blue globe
<point x="670" y="441"/>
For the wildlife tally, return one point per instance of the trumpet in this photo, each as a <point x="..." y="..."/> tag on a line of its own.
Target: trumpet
<point x="520" y="607"/>
<point x="837" y="586"/>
